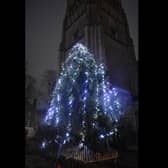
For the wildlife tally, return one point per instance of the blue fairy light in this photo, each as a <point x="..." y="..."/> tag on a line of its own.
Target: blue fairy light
<point x="57" y="121"/>
<point x="58" y="97"/>
<point x="111" y="133"/>
<point x="81" y="145"/>
<point x="64" y="142"/>
<point x="101" y="136"/>
<point x="43" y="145"/>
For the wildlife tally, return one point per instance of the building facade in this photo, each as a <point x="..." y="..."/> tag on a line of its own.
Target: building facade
<point x="102" y="26"/>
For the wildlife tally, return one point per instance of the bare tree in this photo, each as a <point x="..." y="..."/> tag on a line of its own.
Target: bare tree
<point x="48" y="82"/>
<point x="50" y="78"/>
<point x="30" y="97"/>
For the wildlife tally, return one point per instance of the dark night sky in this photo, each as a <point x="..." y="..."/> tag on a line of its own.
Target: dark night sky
<point x="44" y="20"/>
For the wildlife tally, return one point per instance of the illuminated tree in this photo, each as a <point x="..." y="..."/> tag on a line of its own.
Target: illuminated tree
<point x="83" y="101"/>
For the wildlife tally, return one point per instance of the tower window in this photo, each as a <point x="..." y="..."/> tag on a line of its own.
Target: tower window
<point x="76" y="34"/>
<point x="114" y="33"/>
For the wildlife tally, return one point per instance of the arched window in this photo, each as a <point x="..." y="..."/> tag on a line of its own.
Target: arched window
<point x="76" y="34"/>
<point x="114" y="32"/>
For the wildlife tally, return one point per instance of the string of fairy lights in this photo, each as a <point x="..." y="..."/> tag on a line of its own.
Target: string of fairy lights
<point x="81" y="80"/>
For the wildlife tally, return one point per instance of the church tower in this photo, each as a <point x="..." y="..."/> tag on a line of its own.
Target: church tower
<point x="102" y="26"/>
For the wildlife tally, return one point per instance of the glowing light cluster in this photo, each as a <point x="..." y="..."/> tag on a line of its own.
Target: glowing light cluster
<point x="111" y="133"/>
<point x="81" y="81"/>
